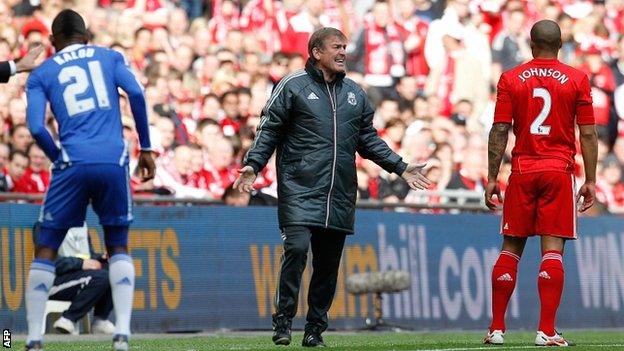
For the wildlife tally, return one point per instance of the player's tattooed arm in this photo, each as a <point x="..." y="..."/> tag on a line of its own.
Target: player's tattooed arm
<point x="496" y="148"/>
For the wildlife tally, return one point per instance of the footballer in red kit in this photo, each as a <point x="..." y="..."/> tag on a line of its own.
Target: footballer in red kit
<point x="543" y="100"/>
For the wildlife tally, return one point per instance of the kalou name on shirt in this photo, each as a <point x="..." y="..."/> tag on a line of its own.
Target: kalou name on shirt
<point x="64" y="57"/>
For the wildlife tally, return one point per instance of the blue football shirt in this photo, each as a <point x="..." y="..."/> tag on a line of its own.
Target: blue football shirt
<point x="81" y="84"/>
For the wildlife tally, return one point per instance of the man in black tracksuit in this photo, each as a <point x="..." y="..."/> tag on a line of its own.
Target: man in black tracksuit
<point x="82" y="278"/>
<point x="317" y="119"/>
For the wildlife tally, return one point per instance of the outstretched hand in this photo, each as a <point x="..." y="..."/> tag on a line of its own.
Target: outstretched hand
<point x="30" y="60"/>
<point x="245" y="180"/>
<point x="414" y="178"/>
<point x="588" y="192"/>
<point x="147" y="167"/>
<point x="492" y="189"/>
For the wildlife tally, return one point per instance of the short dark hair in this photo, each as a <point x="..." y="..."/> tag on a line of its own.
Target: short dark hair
<point x="231" y="192"/>
<point x="294" y="55"/>
<point x="206" y="122"/>
<point x="317" y="40"/>
<point x="32" y="146"/>
<point x="193" y="146"/>
<point x="68" y="23"/>
<point x="16" y="153"/>
<point x="226" y="94"/>
<point x="395" y="122"/>
<point x="14" y="128"/>
<point x="141" y="29"/>
<point x="279" y="56"/>
<point x="243" y="91"/>
<point x="210" y="96"/>
<point x="546" y="35"/>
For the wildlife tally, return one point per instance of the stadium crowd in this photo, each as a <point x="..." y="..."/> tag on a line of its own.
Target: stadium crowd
<point x="429" y="67"/>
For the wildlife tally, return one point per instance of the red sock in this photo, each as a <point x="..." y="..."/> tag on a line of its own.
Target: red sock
<point x="550" y="287"/>
<point x="503" y="284"/>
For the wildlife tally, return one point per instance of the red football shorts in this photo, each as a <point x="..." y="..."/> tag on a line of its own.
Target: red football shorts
<point x="540" y="203"/>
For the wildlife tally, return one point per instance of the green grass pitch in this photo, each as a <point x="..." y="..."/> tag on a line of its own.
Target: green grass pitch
<point x="351" y="341"/>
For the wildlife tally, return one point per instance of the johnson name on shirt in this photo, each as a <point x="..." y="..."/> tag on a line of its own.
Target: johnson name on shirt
<point x="64" y="57"/>
<point x="543" y="72"/>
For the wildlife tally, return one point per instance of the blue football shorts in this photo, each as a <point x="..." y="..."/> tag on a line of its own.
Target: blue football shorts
<point x="105" y="186"/>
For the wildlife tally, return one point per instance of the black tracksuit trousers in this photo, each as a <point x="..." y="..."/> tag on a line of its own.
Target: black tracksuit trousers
<point x="327" y="248"/>
<point x="85" y="289"/>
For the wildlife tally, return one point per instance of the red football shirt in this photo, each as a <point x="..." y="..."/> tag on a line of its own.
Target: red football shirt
<point x="543" y="98"/>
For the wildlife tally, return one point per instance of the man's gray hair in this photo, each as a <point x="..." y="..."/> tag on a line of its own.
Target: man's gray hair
<point x="317" y="40"/>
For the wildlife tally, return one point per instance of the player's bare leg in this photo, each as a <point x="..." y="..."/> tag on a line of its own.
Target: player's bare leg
<point x="550" y="286"/>
<point x="121" y="275"/>
<point x="503" y="284"/>
<point x="513" y="244"/>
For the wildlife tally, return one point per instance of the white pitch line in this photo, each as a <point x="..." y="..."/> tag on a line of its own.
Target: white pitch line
<point x="495" y="347"/>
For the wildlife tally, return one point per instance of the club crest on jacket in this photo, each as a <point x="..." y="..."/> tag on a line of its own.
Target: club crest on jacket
<point x="351" y="98"/>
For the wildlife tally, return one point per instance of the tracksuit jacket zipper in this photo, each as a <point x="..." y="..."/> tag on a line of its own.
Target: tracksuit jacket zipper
<point x="333" y="102"/>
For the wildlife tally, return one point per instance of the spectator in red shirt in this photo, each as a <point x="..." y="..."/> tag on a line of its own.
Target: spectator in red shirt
<point x="18" y="162"/>
<point x="222" y="166"/>
<point x="265" y="19"/>
<point x="414" y="32"/>
<point x="4" y="157"/>
<point x="394" y="133"/>
<point x="34" y="32"/>
<point x="224" y="19"/>
<point x="20" y="138"/>
<point x="279" y="67"/>
<point x="177" y="176"/>
<point x="198" y="176"/>
<point x="36" y="178"/>
<point x="511" y="46"/>
<point x="4" y="161"/>
<point x="301" y="26"/>
<point x="244" y="102"/>
<point x="472" y="173"/>
<point x="177" y="26"/>
<point x="208" y="130"/>
<point x="602" y="87"/>
<point x="387" y="109"/>
<point x="609" y="187"/>
<point x="140" y="48"/>
<point x="407" y="89"/>
<point x="378" y="51"/>
<point x="184" y="58"/>
<point x="230" y="121"/>
<point x="166" y="130"/>
<point x="568" y="53"/>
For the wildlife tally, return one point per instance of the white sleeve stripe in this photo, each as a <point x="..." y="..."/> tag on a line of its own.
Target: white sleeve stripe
<point x="278" y="89"/>
<point x="280" y="86"/>
<point x="129" y="193"/>
<point x="124" y="154"/>
<point x="13" y="67"/>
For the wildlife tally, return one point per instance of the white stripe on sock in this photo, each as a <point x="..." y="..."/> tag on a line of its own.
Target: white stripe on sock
<point x="511" y="254"/>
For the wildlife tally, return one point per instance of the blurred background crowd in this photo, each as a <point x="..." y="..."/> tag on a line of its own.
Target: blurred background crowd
<point x="429" y="67"/>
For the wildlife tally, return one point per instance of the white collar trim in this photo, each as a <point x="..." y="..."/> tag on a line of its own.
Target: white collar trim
<point x="72" y="47"/>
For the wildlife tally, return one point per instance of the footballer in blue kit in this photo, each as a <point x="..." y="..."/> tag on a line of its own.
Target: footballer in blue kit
<point x="90" y="163"/>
